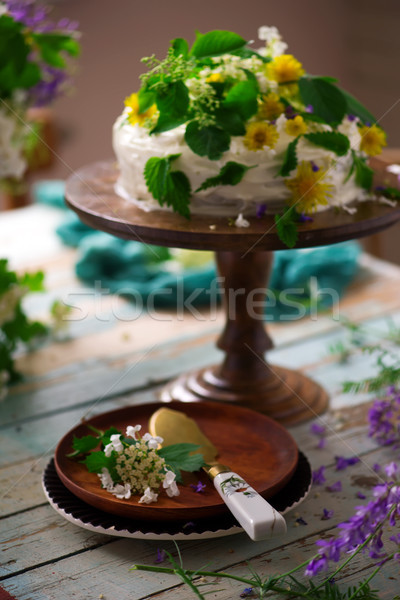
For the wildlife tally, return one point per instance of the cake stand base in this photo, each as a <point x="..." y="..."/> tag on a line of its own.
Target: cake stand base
<point x="286" y="396"/>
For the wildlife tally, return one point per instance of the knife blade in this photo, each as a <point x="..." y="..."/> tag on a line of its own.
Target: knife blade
<point x="257" y="517"/>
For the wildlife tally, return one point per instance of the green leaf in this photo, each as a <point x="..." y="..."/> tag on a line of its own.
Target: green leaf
<point x="242" y="98"/>
<point x="165" y="123"/>
<point x="168" y="187"/>
<point x="145" y="99"/>
<point x="354" y="107"/>
<point x="85" y="444"/>
<point x="327" y="100"/>
<point x="364" y="173"/>
<point x="330" y="140"/>
<point x="210" y="141"/>
<point x="246" y="52"/>
<point x="173" y="100"/>
<point x="229" y="120"/>
<point x="33" y="281"/>
<point x="286" y="227"/>
<point x="290" y="159"/>
<point x="53" y="45"/>
<point x="180" y="47"/>
<point x="96" y="461"/>
<point x="215" y="43"/>
<point x="179" y="458"/>
<point x="106" y="437"/>
<point x="230" y="174"/>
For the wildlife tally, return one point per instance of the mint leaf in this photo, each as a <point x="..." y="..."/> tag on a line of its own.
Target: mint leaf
<point x="84" y="444"/>
<point x="286" y="227"/>
<point x="210" y="141"/>
<point x="330" y="140"/>
<point x="168" y="187"/>
<point x="354" y="107"/>
<point x="327" y="100"/>
<point x="230" y="174"/>
<point x="364" y="173"/>
<point x="179" y="458"/>
<point x="180" y="47"/>
<point x="229" y="120"/>
<point x="290" y="159"/>
<point x="215" y="43"/>
<point x="242" y="98"/>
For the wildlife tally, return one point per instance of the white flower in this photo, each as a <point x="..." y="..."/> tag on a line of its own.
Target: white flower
<point x="132" y="431"/>
<point x="273" y="39"/>
<point x="152" y="442"/>
<point x="169" y="484"/>
<point x="122" y="491"/>
<point x="105" y="478"/>
<point x="12" y="163"/>
<point x="3" y="9"/>
<point x="148" y="497"/>
<point x="115" y="444"/>
<point x="241" y="221"/>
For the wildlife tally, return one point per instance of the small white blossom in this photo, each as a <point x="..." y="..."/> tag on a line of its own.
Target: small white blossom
<point x="241" y="221"/>
<point x="115" y="444"/>
<point x="152" y="442"/>
<point x="169" y="484"/>
<point x="105" y="478"/>
<point x="148" y="497"/>
<point x="122" y="491"/>
<point x="132" y="431"/>
<point x="273" y="39"/>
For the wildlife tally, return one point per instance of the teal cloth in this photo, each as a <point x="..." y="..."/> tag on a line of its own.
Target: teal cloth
<point x="132" y="269"/>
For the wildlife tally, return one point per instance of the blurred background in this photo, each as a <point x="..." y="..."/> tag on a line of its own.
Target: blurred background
<point x="356" y="41"/>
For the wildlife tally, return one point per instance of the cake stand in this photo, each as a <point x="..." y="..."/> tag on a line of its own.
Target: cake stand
<point x="244" y="259"/>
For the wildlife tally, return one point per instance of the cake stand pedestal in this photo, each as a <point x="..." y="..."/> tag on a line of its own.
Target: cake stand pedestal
<point x="244" y="258"/>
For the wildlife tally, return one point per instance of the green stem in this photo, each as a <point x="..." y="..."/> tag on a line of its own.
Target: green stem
<point x="366" y="582"/>
<point x="200" y="573"/>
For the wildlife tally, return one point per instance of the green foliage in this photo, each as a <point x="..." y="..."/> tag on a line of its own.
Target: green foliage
<point x="168" y="187"/>
<point x="179" y="458"/>
<point x="215" y="43"/>
<point x="172" y="102"/>
<point x="290" y="159"/>
<point x="230" y="174"/>
<point x="95" y="462"/>
<point x="354" y="107"/>
<point x="209" y="140"/>
<point x="52" y="46"/>
<point x="242" y="98"/>
<point x="330" y="140"/>
<point x="364" y="173"/>
<point x="180" y="47"/>
<point x="327" y="99"/>
<point x="230" y="120"/>
<point x="286" y="227"/>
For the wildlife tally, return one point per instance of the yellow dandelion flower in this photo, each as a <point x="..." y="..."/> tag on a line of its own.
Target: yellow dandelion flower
<point x="215" y="77"/>
<point x="260" y="134"/>
<point x="285" y="68"/>
<point x="372" y="139"/>
<point x="271" y="107"/>
<point x="134" y="116"/>
<point x="308" y="188"/>
<point x="296" y="126"/>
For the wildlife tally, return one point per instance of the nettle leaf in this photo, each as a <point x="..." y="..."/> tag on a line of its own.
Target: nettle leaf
<point x="179" y="458"/>
<point x="286" y="227"/>
<point x="145" y="99"/>
<point x="230" y="120"/>
<point x="210" y="140"/>
<point x="106" y="437"/>
<point x="242" y="98"/>
<point x="231" y="174"/>
<point x="327" y="100"/>
<point x="354" y="107"/>
<point x="173" y="100"/>
<point x="290" y="159"/>
<point x="330" y="140"/>
<point x="85" y="444"/>
<point x="168" y="187"/>
<point x="180" y="47"/>
<point x="96" y="461"/>
<point x="246" y="52"/>
<point x="215" y="43"/>
<point x="364" y="173"/>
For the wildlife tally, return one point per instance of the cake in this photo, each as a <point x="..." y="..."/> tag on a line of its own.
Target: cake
<point x="222" y="129"/>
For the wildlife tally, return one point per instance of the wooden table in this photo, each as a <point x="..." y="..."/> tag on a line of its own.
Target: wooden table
<point x="114" y="358"/>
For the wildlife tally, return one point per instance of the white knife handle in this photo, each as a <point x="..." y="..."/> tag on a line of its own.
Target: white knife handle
<point x="258" y="518"/>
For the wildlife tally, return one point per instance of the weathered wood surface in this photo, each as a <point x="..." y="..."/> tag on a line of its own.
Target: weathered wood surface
<point x="108" y="363"/>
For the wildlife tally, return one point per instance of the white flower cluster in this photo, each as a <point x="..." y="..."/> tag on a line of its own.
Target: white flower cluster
<point x="275" y="46"/>
<point x="12" y="163"/>
<point x="140" y="469"/>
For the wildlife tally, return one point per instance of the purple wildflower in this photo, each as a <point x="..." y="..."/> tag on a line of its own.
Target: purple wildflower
<point x="376" y="467"/>
<point x="342" y="462"/>
<point x="198" y="487"/>
<point x="351" y="117"/>
<point x="319" y="476"/>
<point x="335" y="487"/>
<point x="301" y="521"/>
<point x="320" y="431"/>
<point x="326" y="514"/>
<point x="384" y="419"/>
<point x="290" y="113"/>
<point x="303" y="218"/>
<point x="247" y="592"/>
<point x="161" y="556"/>
<point x="361" y="496"/>
<point x="314" y="166"/>
<point x="309" y="108"/>
<point x="261" y="208"/>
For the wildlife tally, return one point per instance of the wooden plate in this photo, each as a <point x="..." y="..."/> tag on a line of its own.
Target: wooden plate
<point x="253" y="445"/>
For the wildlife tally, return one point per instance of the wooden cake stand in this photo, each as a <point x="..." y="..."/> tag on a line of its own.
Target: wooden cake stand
<point x="244" y="259"/>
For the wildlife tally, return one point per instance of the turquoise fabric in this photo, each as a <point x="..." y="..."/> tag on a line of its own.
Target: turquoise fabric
<point x="166" y="278"/>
